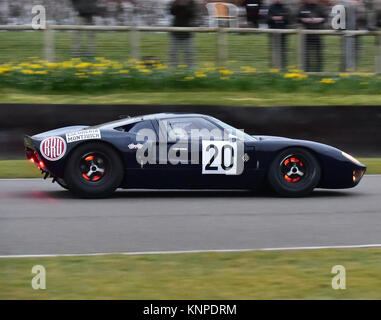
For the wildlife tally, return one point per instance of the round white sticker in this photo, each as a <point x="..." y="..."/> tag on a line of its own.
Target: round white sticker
<point x="53" y="148"/>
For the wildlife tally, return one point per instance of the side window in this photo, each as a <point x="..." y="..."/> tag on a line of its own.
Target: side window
<point x="141" y="125"/>
<point x="136" y="126"/>
<point x="192" y="128"/>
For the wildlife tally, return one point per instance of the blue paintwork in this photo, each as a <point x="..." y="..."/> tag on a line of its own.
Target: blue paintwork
<point x="337" y="171"/>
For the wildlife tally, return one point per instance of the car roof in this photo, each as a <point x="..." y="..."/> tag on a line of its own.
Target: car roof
<point x="165" y="115"/>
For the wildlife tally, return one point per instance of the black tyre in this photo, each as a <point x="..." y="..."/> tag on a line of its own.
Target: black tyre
<point x="294" y="172"/>
<point x="62" y="183"/>
<point x="94" y="170"/>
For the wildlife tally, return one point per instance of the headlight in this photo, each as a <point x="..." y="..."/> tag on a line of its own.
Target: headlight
<point x="350" y="158"/>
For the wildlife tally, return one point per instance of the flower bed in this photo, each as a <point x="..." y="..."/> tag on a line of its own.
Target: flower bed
<point x="103" y="74"/>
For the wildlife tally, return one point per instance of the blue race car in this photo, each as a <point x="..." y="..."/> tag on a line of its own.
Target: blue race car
<point x="185" y="151"/>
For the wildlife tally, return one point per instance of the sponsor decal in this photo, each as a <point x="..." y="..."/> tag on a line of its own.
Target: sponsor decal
<point x="135" y="146"/>
<point x="53" y="148"/>
<point x="83" y="135"/>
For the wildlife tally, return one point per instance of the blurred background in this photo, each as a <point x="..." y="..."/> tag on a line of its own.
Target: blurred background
<point x="331" y="52"/>
<point x="241" y="53"/>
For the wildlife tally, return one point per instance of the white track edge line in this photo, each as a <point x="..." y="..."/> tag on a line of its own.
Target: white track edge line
<point x="189" y="251"/>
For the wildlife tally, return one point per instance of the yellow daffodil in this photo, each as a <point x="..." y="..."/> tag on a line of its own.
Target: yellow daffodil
<point x="83" y="65"/>
<point x="226" y="72"/>
<point x="27" y="71"/>
<point x="4" y="70"/>
<point x="296" y="76"/>
<point x="81" y="75"/>
<point x="327" y="81"/>
<point x="52" y="64"/>
<point x="24" y="64"/>
<point x="67" y="64"/>
<point x="161" y="66"/>
<point x="200" y="75"/>
<point x="248" y="69"/>
<point x="35" y="66"/>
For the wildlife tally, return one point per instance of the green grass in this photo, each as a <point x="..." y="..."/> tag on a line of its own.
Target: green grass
<point x="246" y="49"/>
<point x="199" y="97"/>
<point x="373" y="165"/>
<point x="24" y="169"/>
<point x="246" y="275"/>
<point x="18" y="169"/>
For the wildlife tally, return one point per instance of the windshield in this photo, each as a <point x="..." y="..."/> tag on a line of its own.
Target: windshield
<point x="234" y="131"/>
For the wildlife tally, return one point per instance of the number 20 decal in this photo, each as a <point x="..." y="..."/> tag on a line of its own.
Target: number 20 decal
<point x="219" y="157"/>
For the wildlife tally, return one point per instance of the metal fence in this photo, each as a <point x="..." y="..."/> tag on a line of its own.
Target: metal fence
<point x="343" y="51"/>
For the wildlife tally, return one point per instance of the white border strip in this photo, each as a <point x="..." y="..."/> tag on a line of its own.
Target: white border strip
<point x="29" y="179"/>
<point x="187" y="251"/>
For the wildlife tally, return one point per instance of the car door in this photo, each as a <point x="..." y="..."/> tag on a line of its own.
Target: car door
<point x="195" y="152"/>
<point x="139" y="137"/>
<point x="176" y="163"/>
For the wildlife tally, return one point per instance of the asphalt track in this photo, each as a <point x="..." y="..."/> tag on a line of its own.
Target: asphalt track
<point x="38" y="217"/>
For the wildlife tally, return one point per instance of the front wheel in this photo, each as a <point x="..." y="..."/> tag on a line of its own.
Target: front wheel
<point x="294" y="172"/>
<point x="94" y="170"/>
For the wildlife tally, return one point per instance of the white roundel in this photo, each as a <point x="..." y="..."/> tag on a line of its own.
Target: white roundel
<point x="53" y="148"/>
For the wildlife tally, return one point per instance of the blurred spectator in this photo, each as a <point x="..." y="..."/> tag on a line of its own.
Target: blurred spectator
<point x="312" y="15"/>
<point x="184" y="12"/>
<point x="86" y="10"/>
<point x="278" y="17"/>
<point x="355" y="19"/>
<point x="119" y="11"/>
<point x="373" y="14"/>
<point x="252" y="11"/>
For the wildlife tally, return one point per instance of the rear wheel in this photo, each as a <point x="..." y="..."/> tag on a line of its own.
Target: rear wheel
<point x="94" y="170"/>
<point x="294" y="172"/>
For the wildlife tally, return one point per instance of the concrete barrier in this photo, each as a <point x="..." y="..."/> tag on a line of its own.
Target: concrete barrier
<point x="355" y="129"/>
